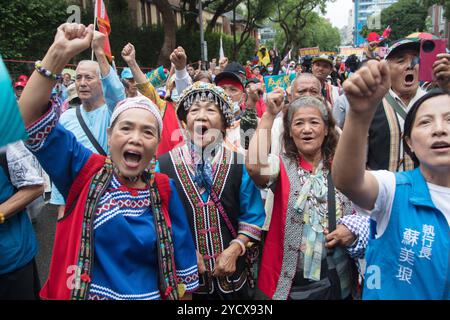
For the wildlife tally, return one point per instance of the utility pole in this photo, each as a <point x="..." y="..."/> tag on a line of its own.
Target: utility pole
<point x="202" y="36"/>
<point x="234" y="30"/>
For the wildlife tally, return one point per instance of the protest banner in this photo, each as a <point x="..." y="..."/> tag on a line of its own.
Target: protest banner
<point x="282" y="81"/>
<point x="314" y="51"/>
<point x="349" y="51"/>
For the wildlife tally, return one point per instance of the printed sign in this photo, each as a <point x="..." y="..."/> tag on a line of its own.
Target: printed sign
<point x="315" y="51"/>
<point x="282" y="81"/>
<point x="349" y="51"/>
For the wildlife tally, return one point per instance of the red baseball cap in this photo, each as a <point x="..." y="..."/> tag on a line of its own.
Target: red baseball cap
<point x="20" y="84"/>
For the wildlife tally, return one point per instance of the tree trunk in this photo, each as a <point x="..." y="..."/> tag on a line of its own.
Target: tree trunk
<point x="249" y="27"/>
<point x="170" y="31"/>
<point x="191" y="16"/>
<point x="213" y="22"/>
<point x="287" y="36"/>
<point x="221" y="9"/>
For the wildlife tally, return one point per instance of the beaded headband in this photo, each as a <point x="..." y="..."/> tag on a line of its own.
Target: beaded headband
<point x="202" y="91"/>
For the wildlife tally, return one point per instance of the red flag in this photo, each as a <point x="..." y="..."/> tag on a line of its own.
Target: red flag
<point x="104" y="26"/>
<point x="387" y="32"/>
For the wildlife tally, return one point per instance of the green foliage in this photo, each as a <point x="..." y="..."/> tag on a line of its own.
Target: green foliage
<point x="291" y="17"/>
<point x="148" y="40"/>
<point x="319" y="32"/>
<point x="444" y="3"/>
<point x="27" y="28"/>
<point x="404" y="17"/>
<point x="191" y="43"/>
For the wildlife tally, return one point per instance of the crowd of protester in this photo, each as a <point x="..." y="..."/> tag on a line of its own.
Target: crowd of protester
<point x="209" y="186"/>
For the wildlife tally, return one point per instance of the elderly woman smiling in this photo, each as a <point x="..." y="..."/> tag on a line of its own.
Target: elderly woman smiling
<point x="295" y="262"/>
<point x="124" y="234"/>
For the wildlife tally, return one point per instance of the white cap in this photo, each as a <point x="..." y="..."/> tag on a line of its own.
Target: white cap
<point x="140" y="102"/>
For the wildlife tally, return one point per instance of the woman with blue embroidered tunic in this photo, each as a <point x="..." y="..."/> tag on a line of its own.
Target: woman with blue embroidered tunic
<point x="224" y="207"/>
<point x="124" y="234"/>
<point x="295" y="263"/>
<point x="408" y="251"/>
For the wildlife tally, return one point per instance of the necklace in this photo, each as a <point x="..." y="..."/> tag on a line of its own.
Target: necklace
<point x="128" y="179"/>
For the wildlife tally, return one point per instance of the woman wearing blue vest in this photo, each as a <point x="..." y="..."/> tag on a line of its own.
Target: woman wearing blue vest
<point x="408" y="253"/>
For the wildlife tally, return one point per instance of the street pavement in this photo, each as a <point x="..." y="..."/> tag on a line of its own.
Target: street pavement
<point x="45" y="228"/>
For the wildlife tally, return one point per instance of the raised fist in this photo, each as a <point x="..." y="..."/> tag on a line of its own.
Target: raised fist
<point x="178" y="58"/>
<point x="128" y="53"/>
<point x="441" y="70"/>
<point x="367" y="87"/>
<point x="73" y="38"/>
<point x="98" y="41"/>
<point x="275" y="101"/>
<point x="254" y="92"/>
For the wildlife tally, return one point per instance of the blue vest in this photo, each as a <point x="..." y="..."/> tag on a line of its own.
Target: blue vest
<point x="18" y="244"/>
<point x="411" y="259"/>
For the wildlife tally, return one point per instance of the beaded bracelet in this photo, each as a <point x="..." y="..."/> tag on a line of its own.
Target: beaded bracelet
<point x="241" y="244"/>
<point x="46" y="73"/>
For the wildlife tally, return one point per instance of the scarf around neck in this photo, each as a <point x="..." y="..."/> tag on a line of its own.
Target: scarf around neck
<point x="311" y="202"/>
<point x="203" y="164"/>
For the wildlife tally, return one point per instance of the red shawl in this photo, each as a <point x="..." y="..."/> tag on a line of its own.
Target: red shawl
<point x="272" y="258"/>
<point x="68" y="231"/>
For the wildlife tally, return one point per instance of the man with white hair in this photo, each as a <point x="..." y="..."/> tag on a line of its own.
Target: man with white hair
<point x="99" y="88"/>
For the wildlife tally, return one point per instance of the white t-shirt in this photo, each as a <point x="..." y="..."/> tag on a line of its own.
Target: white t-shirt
<point x="381" y="213"/>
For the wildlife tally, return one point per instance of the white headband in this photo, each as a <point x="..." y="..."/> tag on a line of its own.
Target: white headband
<point x="139" y="102"/>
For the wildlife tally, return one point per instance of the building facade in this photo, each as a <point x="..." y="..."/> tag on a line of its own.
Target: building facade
<point x="363" y="9"/>
<point x="347" y="30"/>
<point x="439" y="25"/>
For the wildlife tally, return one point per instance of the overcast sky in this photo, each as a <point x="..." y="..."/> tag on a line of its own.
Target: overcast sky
<point x="337" y="12"/>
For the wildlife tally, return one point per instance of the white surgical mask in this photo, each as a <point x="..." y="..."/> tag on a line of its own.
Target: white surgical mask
<point x="174" y="95"/>
<point x="236" y="107"/>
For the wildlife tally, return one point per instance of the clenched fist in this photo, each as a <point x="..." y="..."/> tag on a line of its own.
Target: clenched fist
<point x="275" y="101"/>
<point x="367" y="87"/>
<point x="178" y="58"/>
<point x="73" y="38"/>
<point x="441" y="70"/>
<point x="128" y="53"/>
<point x="98" y="41"/>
